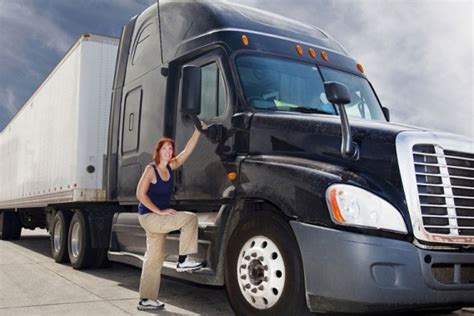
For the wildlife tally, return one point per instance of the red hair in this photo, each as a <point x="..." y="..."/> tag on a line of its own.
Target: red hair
<point x="161" y="142"/>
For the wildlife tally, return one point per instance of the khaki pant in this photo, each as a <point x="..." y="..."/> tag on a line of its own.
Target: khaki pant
<point x="156" y="227"/>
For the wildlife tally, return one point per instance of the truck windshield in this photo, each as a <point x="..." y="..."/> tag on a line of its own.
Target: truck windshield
<point x="278" y="84"/>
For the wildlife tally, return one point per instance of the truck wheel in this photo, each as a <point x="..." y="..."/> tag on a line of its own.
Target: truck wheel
<point x="59" y="236"/>
<point x="5" y="226"/>
<point x="10" y="225"/>
<point x="100" y="258"/>
<point x="16" y="226"/>
<point x="263" y="269"/>
<point x="79" y="241"/>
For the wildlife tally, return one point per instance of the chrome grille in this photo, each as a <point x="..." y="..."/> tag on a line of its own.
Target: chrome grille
<point x="445" y="182"/>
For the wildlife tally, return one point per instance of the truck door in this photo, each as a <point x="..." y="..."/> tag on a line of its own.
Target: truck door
<point x="203" y="176"/>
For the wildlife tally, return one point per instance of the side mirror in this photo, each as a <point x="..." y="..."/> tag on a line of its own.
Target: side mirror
<point x="337" y="93"/>
<point x="191" y="90"/>
<point x="386" y="113"/>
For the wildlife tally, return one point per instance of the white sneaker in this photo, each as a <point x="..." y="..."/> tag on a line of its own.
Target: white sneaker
<point x="188" y="265"/>
<point x="146" y="304"/>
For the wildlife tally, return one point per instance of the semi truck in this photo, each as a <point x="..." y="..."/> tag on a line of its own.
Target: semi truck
<point x="308" y="198"/>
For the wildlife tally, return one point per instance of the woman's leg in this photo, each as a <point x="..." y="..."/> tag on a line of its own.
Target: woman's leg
<point x="188" y="240"/>
<point x="151" y="269"/>
<point x="187" y="222"/>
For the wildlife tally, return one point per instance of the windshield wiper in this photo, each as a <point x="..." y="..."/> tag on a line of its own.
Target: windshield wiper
<point x="303" y="109"/>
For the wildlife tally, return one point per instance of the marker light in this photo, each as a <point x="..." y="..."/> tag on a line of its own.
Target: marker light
<point x="312" y="52"/>
<point x="360" y="67"/>
<point x="232" y="175"/>
<point x="324" y="56"/>
<point x="353" y="206"/>
<point x="245" y="40"/>
<point x="299" y="50"/>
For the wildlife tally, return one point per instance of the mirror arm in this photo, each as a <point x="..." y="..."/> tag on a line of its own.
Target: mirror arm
<point x="349" y="149"/>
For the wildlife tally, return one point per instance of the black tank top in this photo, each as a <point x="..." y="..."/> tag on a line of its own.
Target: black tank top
<point x="159" y="192"/>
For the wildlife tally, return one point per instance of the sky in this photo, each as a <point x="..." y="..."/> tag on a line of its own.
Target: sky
<point x="418" y="54"/>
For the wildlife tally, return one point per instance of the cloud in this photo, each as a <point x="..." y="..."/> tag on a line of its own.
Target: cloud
<point x="417" y="54"/>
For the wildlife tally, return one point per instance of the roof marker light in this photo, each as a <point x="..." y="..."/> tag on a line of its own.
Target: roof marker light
<point x="360" y="67"/>
<point x="299" y="50"/>
<point x="245" y="40"/>
<point x="312" y="52"/>
<point x="324" y="56"/>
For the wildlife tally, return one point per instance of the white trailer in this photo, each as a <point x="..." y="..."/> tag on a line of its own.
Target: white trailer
<point x="53" y="150"/>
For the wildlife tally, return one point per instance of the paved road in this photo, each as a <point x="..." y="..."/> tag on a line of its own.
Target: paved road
<point x="31" y="283"/>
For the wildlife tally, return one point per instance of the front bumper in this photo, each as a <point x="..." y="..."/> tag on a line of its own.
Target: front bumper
<point x="349" y="272"/>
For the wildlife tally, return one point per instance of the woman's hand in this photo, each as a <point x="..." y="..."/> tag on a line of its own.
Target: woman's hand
<point x="167" y="212"/>
<point x="204" y="126"/>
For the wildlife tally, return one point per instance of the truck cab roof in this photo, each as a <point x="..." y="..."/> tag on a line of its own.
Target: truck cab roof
<point x="188" y="26"/>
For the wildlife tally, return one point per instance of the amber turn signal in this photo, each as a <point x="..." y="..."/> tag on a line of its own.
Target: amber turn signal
<point x="336" y="212"/>
<point x="232" y="175"/>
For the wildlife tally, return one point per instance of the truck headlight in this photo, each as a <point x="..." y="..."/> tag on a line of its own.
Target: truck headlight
<point x="353" y="206"/>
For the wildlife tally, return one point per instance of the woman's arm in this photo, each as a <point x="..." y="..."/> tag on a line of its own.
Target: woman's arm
<point x="142" y="189"/>
<point x="188" y="149"/>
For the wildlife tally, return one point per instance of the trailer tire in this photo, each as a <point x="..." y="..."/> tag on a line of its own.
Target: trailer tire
<point x="263" y="269"/>
<point x="11" y="226"/>
<point x="5" y="228"/>
<point x="16" y="226"/>
<point x="100" y="258"/>
<point x="59" y="236"/>
<point x="79" y="241"/>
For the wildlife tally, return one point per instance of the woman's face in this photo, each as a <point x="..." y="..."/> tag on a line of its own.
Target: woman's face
<point x="166" y="152"/>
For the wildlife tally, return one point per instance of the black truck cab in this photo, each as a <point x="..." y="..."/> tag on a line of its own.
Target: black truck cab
<point x="289" y="220"/>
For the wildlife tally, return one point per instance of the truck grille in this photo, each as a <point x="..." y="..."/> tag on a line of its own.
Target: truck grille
<point x="445" y="182"/>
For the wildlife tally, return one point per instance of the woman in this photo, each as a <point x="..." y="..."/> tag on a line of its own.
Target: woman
<point x="154" y="193"/>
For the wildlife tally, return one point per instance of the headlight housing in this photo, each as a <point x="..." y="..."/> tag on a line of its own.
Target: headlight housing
<point x="353" y="206"/>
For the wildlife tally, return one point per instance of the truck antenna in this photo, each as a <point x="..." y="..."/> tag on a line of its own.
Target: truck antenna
<point x="159" y="26"/>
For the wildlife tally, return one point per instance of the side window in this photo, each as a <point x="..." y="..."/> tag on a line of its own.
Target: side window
<point x="131" y="121"/>
<point x="213" y="96"/>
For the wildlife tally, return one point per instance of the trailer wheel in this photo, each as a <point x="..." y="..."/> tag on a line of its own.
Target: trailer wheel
<point x="79" y="241"/>
<point x="263" y="269"/>
<point x="5" y="227"/>
<point x="10" y="225"/>
<point x="59" y="236"/>
<point x="15" y="222"/>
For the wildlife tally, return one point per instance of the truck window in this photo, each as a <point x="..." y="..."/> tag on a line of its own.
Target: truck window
<point x="363" y="104"/>
<point x="213" y="99"/>
<point x="271" y="83"/>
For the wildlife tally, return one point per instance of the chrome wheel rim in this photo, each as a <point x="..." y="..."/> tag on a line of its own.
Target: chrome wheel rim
<point x="76" y="239"/>
<point x="57" y="236"/>
<point x="261" y="272"/>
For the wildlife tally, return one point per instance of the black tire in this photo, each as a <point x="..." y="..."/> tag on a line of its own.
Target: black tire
<point x="59" y="236"/>
<point x="290" y="299"/>
<point x="79" y="242"/>
<point x="5" y="228"/>
<point x="11" y="226"/>
<point x="100" y="258"/>
<point x="16" y="226"/>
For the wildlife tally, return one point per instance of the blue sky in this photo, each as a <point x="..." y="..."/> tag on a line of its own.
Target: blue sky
<point x="418" y="54"/>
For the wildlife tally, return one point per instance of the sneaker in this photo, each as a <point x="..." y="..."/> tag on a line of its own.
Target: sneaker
<point x="188" y="265"/>
<point x="146" y="304"/>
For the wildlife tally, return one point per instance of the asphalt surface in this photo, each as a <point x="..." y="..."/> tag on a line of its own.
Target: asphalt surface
<point x="31" y="283"/>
